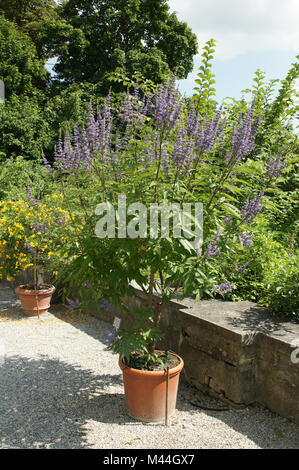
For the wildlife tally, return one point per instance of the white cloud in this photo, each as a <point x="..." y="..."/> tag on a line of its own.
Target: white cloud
<point x="239" y="26"/>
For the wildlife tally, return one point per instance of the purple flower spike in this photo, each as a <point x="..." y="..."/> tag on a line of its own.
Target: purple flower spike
<point x="32" y="201"/>
<point x="167" y="105"/>
<point x="246" y="239"/>
<point x="251" y="209"/>
<point x="243" y="136"/>
<point x="42" y="227"/>
<point x="228" y="219"/>
<point x="209" y="132"/>
<point x="241" y="268"/>
<point x="183" y="148"/>
<point x="212" y="249"/>
<point x="112" y="337"/>
<point x="46" y="163"/>
<point x="224" y="288"/>
<point x="275" y="167"/>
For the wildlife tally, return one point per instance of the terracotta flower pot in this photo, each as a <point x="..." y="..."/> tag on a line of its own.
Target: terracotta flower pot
<point x="35" y="302"/>
<point x="145" y="391"/>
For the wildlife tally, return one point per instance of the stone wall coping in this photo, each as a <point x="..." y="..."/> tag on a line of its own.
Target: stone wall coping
<point x="242" y="318"/>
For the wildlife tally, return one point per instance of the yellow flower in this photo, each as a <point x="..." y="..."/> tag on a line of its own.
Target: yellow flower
<point x="20" y="226"/>
<point x="9" y="278"/>
<point x="27" y="266"/>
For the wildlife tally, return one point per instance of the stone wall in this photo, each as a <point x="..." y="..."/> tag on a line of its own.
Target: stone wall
<point x="235" y="351"/>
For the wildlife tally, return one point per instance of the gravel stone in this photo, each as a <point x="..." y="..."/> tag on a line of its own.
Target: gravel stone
<point x="61" y="387"/>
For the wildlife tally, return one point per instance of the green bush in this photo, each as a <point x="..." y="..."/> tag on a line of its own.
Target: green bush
<point x="271" y="274"/>
<point x="281" y="281"/>
<point x="16" y="174"/>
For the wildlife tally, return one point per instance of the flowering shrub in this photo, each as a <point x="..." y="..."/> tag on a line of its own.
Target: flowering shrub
<point x="31" y="229"/>
<point x="158" y="149"/>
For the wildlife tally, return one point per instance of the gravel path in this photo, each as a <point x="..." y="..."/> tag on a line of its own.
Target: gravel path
<point x="61" y="388"/>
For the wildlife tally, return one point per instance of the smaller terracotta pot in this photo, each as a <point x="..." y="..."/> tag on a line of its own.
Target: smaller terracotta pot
<point x="35" y="302"/>
<point x="145" y="391"/>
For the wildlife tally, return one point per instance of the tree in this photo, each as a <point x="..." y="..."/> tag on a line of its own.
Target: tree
<point x="20" y="68"/>
<point x="24" y="12"/>
<point x="30" y="16"/>
<point x="123" y="35"/>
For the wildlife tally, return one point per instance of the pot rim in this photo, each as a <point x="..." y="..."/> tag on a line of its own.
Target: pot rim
<point x="158" y="373"/>
<point x="21" y="289"/>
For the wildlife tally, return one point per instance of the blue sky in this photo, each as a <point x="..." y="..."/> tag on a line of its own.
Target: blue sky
<point x="249" y="35"/>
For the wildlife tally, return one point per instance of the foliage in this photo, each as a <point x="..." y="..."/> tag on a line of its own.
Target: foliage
<point x="281" y="281"/>
<point x="16" y="174"/>
<point x="30" y="16"/>
<point x="26" y="11"/>
<point x="269" y="270"/>
<point x="284" y="105"/>
<point x="129" y="36"/>
<point x="205" y="91"/>
<point x="20" y="68"/>
<point x="30" y="125"/>
<point x="23" y="129"/>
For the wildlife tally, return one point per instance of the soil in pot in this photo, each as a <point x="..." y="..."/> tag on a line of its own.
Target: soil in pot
<point x="168" y="359"/>
<point x="145" y="390"/>
<point x="35" y="301"/>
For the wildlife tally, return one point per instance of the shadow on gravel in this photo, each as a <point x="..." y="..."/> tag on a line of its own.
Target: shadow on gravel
<point x="266" y="429"/>
<point x="8" y="299"/>
<point x="85" y="322"/>
<point x="46" y="402"/>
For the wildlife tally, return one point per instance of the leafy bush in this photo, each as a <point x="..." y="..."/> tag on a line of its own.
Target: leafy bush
<point x="269" y="271"/>
<point x="16" y="174"/>
<point x="23" y="129"/>
<point x="281" y="281"/>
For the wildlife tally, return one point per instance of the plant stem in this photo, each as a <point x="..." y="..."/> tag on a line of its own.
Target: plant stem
<point x="35" y="270"/>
